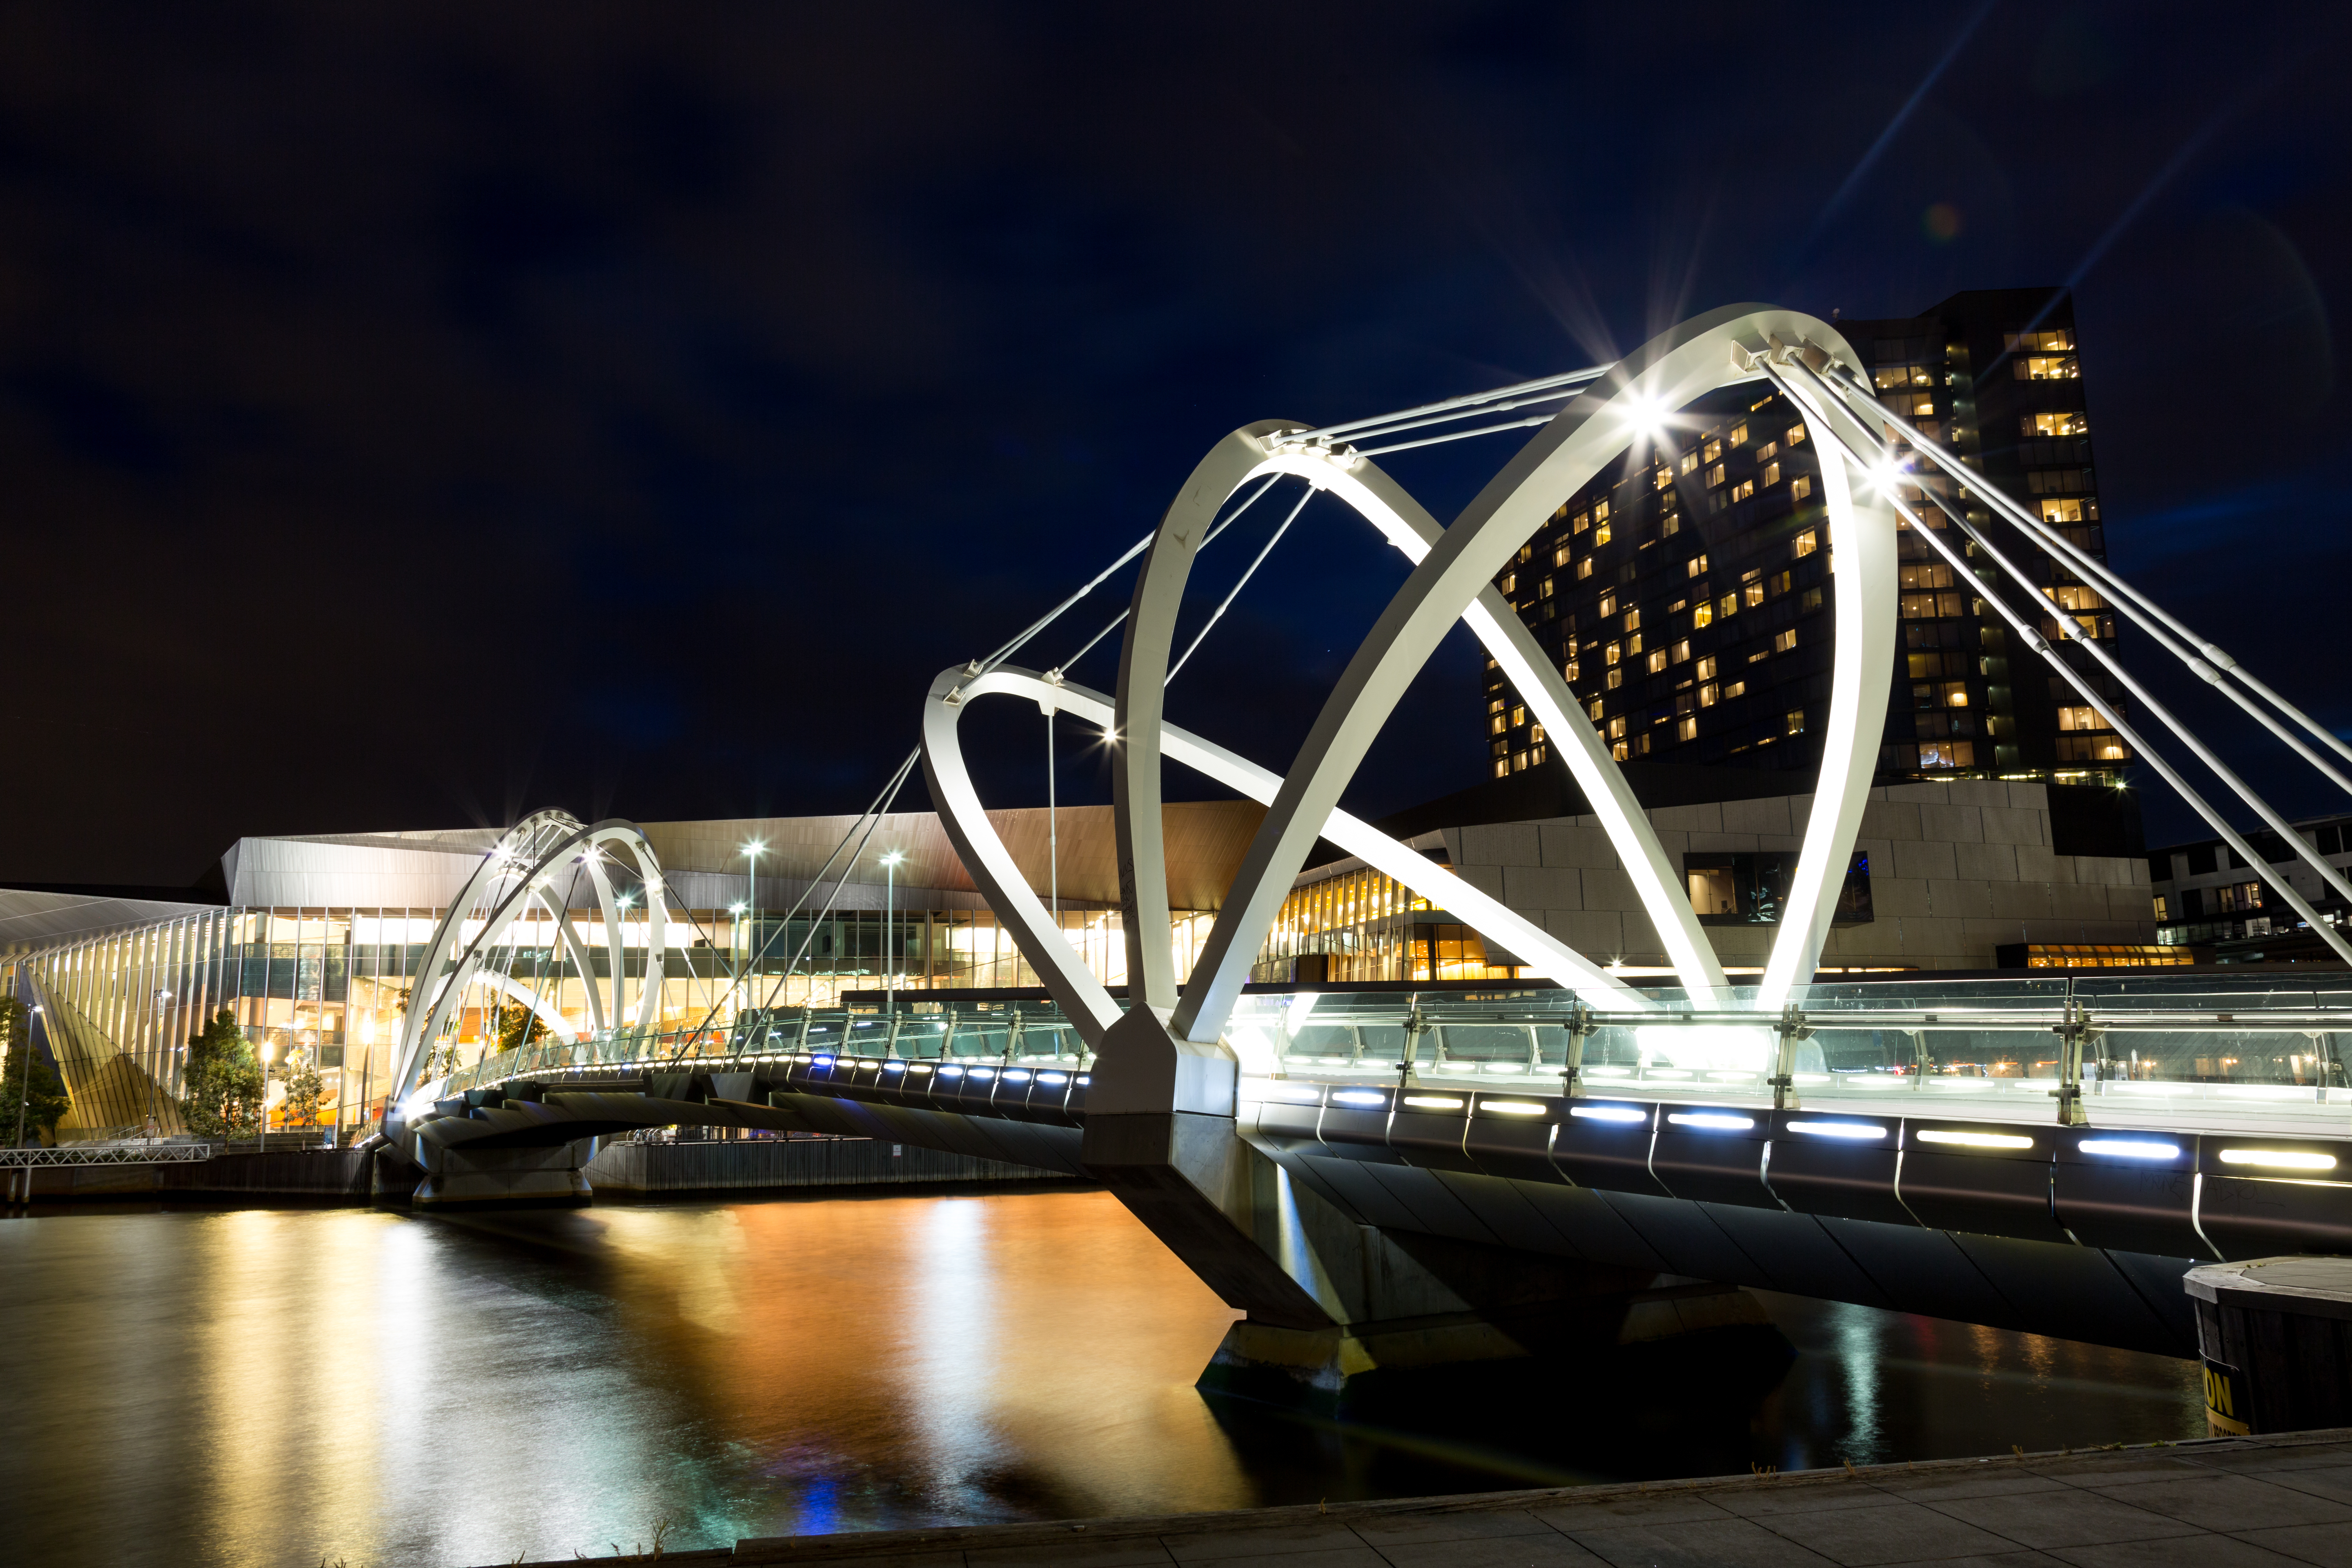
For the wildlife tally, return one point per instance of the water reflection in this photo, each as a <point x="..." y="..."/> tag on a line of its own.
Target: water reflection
<point x="272" y="1385"/>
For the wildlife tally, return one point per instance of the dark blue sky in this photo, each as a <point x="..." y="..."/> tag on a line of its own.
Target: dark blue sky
<point x="410" y="415"/>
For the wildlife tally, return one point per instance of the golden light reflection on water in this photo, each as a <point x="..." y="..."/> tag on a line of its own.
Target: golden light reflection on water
<point x="269" y="1386"/>
<point x="272" y="1387"/>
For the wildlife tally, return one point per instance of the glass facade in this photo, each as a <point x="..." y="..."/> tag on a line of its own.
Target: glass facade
<point x="334" y="984"/>
<point x="1362" y="926"/>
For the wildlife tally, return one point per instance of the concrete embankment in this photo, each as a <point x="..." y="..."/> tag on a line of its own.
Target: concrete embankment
<point x="2273" y="1499"/>
<point x="622" y="1171"/>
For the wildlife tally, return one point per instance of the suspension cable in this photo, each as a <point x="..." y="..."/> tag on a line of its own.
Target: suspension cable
<point x="1218" y="614"/>
<point x="2211" y="667"/>
<point x="1470" y="402"/>
<point x="2073" y="631"/>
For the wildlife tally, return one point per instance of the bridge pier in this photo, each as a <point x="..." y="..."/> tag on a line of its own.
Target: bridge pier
<point x="1329" y="1296"/>
<point x="458" y="1175"/>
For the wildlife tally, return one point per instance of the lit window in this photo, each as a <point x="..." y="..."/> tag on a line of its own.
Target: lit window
<point x="1519" y="717"/>
<point x="1601" y="511"/>
<point x="1633" y="643"/>
<point x="1708" y="694"/>
<point x="2075" y="596"/>
<point x="1534" y="732"/>
<point x="1707" y="668"/>
<point x="1584" y="569"/>
<point x="1670" y="524"/>
<point x="2054" y="339"/>
<point x="1612" y="653"/>
<point x="1617" y="728"/>
<point x="1800" y="486"/>
<point x="1686" y="729"/>
<point x="1633" y="620"/>
<point x="1567" y="670"/>
<point x="1734" y="689"/>
<point x="1510" y="583"/>
<point x="1715" y="476"/>
<point x="1703" y="616"/>
<point x="1743" y="489"/>
<point x="1620" y="752"/>
<point x="1662" y="477"/>
<point x="1583" y="521"/>
<point x="2080" y="716"/>
<point x="1502" y="767"/>
<point x="1609" y="603"/>
<point x="1921" y="408"/>
<point x="1752" y="592"/>
<point x="1771" y="475"/>
<point x="1546" y="590"/>
<point x="1600" y="535"/>
<point x="2051" y="367"/>
<point x="1807" y="542"/>
<point x="1714" y="450"/>
<point x="1681" y="651"/>
<point x="1495" y="725"/>
<point x="1796" y="434"/>
<point x="1796" y="721"/>
<point x="1768" y="451"/>
<point x="1612" y="681"/>
<point x="1739" y="434"/>
<point x="1810" y="602"/>
<point x="2062" y="511"/>
<point x="2062" y="424"/>
<point x="1784" y="641"/>
<point x="1690" y="462"/>
<point x="1657" y="660"/>
<point x="1696" y="566"/>
<point x="2162" y="912"/>
<point x="1560" y="556"/>
<point x="1494" y="705"/>
<point x="1519" y="761"/>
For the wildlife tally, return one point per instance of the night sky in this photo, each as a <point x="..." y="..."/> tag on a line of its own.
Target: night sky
<point x="411" y="415"/>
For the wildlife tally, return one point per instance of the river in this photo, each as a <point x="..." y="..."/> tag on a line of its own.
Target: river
<point x="282" y="1386"/>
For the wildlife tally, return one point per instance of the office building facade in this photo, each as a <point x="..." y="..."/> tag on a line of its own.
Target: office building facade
<point x="1685" y="594"/>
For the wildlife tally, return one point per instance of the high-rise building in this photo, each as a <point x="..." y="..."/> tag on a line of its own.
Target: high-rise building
<point x="1685" y="590"/>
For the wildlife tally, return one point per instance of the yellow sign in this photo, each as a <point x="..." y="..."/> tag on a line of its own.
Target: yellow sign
<point x="2225" y="1411"/>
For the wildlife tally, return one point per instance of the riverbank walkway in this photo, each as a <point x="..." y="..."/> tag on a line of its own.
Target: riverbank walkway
<point x="2231" y="1502"/>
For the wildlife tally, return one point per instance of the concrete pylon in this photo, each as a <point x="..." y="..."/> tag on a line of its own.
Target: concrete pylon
<point x="1329" y="1298"/>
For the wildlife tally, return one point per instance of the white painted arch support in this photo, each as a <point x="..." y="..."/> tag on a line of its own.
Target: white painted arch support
<point x="1451" y="580"/>
<point x="519" y="872"/>
<point x="1065" y="977"/>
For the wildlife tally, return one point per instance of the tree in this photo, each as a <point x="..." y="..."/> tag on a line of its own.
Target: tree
<point x="40" y="1102"/>
<point x="304" y="1091"/>
<point x="222" y="1089"/>
<point x="519" y="1025"/>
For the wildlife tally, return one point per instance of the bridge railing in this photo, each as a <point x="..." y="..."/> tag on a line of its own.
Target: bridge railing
<point x="2261" y="1047"/>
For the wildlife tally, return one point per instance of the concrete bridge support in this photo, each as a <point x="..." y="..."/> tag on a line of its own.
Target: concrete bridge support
<point x="1328" y="1297"/>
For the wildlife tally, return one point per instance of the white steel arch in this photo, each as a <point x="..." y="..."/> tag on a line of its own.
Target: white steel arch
<point x="1453" y="580"/>
<point x="522" y="871"/>
<point x="1073" y="986"/>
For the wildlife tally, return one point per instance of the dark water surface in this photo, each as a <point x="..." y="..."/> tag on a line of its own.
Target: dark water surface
<point x="267" y="1386"/>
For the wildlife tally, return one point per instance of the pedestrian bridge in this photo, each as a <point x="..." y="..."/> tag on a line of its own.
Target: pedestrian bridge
<point x="1384" y="1178"/>
<point x="2047" y="1155"/>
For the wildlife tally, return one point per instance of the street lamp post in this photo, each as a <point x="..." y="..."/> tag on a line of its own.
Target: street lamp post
<point x="751" y="852"/>
<point x="154" y="1089"/>
<point x="889" y="917"/>
<point x="24" y="1092"/>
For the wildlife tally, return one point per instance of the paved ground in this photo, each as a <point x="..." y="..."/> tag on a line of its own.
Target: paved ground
<point x="2240" y="1502"/>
